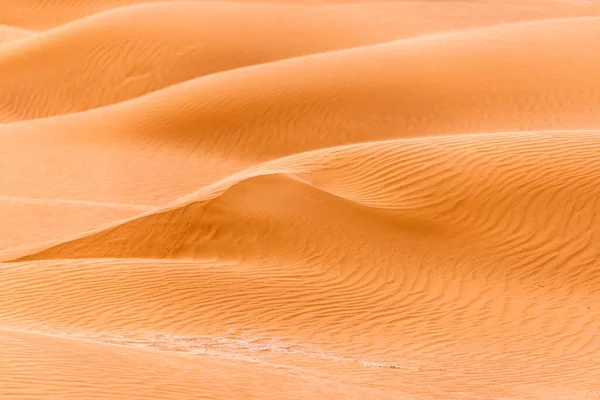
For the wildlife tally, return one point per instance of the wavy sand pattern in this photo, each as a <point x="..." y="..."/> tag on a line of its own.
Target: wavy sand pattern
<point x="299" y="200"/>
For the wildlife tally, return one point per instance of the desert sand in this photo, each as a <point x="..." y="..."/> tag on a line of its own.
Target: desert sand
<point x="299" y="200"/>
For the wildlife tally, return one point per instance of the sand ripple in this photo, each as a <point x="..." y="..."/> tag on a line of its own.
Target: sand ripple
<point x="300" y="200"/>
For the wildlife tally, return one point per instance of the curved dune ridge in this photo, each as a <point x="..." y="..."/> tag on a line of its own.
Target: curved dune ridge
<point x="299" y="200"/>
<point x="170" y="43"/>
<point x="104" y="59"/>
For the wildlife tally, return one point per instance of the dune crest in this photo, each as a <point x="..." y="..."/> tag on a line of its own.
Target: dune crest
<point x="172" y="42"/>
<point x="419" y="183"/>
<point x="102" y="59"/>
<point x="313" y="199"/>
<point x="410" y="247"/>
<point x="223" y="123"/>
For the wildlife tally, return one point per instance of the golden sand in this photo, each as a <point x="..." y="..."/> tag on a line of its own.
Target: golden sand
<point x="308" y="200"/>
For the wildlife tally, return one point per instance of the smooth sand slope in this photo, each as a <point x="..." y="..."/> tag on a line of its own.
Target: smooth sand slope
<point x="99" y="371"/>
<point x="478" y="80"/>
<point x="428" y="237"/>
<point x="104" y="58"/>
<point x="368" y="200"/>
<point x="153" y="149"/>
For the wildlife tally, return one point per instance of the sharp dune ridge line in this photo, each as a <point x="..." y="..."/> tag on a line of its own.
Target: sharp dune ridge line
<point x="300" y="167"/>
<point x="299" y="200"/>
<point x="179" y="50"/>
<point x="204" y="113"/>
<point x="225" y="122"/>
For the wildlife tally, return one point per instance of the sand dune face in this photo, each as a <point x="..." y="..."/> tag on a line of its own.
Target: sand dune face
<point x="103" y="59"/>
<point x="302" y="200"/>
<point x="170" y="43"/>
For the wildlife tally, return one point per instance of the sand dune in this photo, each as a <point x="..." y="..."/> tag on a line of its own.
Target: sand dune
<point x="223" y="123"/>
<point x="476" y="81"/>
<point x="299" y="200"/>
<point x="425" y="182"/>
<point x="417" y="334"/>
<point x="103" y="59"/>
<point x="408" y="243"/>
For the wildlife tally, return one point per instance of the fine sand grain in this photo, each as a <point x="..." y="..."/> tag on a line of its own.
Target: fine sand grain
<point x="299" y="200"/>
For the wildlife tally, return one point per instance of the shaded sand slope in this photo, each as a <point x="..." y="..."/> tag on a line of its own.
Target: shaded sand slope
<point x="503" y="186"/>
<point x="175" y="41"/>
<point x="476" y="81"/>
<point x="169" y="43"/>
<point x="153" y="149"/>
<point x="471" y="255"/>
<point x="89" y="183"/>
<point x="328" y="200"/>
<point x="104" y="59"/>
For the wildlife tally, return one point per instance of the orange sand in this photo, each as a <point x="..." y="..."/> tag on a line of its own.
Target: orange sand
<point x="309" y="200"/>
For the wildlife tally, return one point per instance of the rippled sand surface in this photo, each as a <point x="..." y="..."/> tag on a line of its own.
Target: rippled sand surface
<point x="299" y="200"/>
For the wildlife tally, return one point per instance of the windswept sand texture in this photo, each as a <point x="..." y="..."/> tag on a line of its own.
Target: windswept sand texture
<point x="299" y="200"/>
